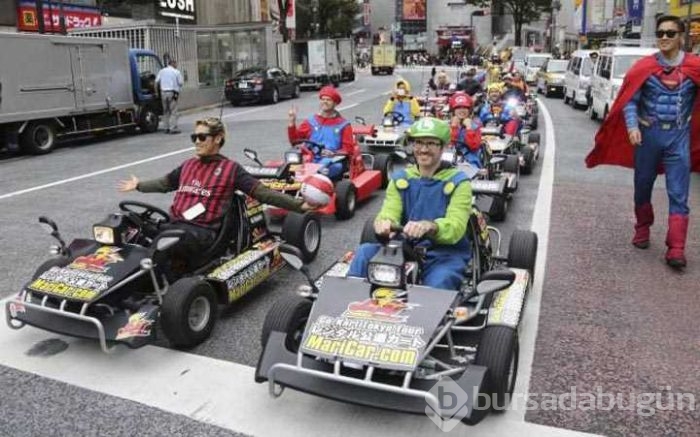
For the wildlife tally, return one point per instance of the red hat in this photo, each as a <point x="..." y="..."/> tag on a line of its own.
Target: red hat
<point x="330" y="92"/>
<point x="460" y="100"/>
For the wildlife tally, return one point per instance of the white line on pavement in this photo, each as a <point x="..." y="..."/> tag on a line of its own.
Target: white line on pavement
<point x="233" y="114"/>
<point x="342" y="108"/>
<point x="540" y="225"/>
<point x="224" y="393"/>
<point x="95" y="173"/>
<point x="355" y="92"/>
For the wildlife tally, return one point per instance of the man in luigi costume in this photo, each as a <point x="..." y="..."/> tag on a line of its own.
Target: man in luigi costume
<point x="432" y="201"/>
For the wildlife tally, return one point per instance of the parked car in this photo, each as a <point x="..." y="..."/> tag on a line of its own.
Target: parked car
<point x="613" y="63"/>
<point x="550" y="78"/>
<point x="260" y="84"/>
<point x="578" y="78"/>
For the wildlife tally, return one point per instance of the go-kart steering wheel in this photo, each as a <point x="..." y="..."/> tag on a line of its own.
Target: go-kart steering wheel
<point x="396" y="117"/>
<point x="145" y="216"/>
<point x="313" y="147"/>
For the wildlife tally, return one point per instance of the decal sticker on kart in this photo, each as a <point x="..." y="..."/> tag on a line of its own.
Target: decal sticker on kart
<point x="70" y="283"/>
<point x="99" y="261"/>
<point x="139" y="325"/>
<point x="508" y="304"/>
<point x="384" y="305"/>
<point x="16" y="308"/>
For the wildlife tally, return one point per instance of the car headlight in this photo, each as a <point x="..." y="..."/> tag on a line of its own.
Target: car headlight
<point x="103" y="234"/>
<point x="384" y="274"/>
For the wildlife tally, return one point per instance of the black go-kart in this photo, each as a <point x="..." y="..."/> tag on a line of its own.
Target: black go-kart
<point x="385" y="341"/>
<point x="522" y="148"/>
<point x="117" y="287"/>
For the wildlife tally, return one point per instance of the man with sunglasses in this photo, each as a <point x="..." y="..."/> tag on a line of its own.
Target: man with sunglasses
<point x="651" y="128"/>
<point x="432" y="201"/>
<point x="205" y="186"/>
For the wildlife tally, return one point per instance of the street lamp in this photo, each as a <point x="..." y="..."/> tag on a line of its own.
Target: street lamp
<point x="556" y="5"/>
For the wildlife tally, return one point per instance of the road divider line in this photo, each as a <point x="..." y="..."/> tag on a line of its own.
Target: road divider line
<point x="540" y="225"/>
<point x="355" y="92"/>
<point x="222" y="393"/>
<point x="342" y="108"/>
<point x="95" y="173"/>
<point x="232" y="114"/>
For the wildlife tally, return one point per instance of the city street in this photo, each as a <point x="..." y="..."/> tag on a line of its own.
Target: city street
<point x="604" y="318"/>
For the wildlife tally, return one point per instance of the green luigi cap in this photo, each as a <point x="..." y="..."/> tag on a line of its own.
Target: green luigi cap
<point x="430" y="127"/>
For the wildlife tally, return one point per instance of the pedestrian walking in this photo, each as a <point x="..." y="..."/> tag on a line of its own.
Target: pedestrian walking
<point x="169" y="82"/>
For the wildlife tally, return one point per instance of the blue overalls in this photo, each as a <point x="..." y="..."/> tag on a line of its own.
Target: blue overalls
<point x="331" y="137"/>
<point x="473" y="157"/>
<point x="425" y="199"/>
<point x="403" y="107"/>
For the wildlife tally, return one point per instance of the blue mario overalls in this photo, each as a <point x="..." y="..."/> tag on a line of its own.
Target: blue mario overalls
<point x="403" y="107"/>
<point x="473" y="157"/>
<point x="330" y="136"/>
<point x="425" y="199"/>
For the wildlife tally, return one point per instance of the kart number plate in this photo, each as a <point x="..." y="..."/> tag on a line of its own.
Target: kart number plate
<point x="490" y="186"/>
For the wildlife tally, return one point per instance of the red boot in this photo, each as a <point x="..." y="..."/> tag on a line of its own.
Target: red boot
<point x="675" y="240"/>
<point x="645" y="218"/>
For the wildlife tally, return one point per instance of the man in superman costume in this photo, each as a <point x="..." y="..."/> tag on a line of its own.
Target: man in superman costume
<point x="650" y="128"/>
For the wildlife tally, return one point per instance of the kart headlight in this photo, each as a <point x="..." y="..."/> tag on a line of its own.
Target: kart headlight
<point x="512" y="102"/>
<point x="103" y="234"/>
<point x="448" y="156"/>
<point x="384" y="274"/>
<point x="292" y="157"/>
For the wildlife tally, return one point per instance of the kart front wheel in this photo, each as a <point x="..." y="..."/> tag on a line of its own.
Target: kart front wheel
<point x="303" y="231"/>
<point x="522" y="251"/>
<point x="345" y="200"/>
<point x="499" y="208"/>
<point x="498" y="351"/>
<point x="188" y="314"/>
<point x="511" y="164"/>
<point x="528" y="159"/>
<point x="383" y="163"/>
<point x="288" y="315"/>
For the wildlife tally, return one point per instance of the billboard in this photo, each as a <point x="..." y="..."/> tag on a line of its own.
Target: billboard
<point x="181" y="9"/>
<point x="635" y="11"/>
<point x="414" y="9"/>
<point x="75" y="17"/>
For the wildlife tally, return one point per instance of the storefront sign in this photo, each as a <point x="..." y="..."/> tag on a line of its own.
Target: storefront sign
<point x="75" y="17"/>
<point x="635" y="10"/>
<point x="181" y="9"/>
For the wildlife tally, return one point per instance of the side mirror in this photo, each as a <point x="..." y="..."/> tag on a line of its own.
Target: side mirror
<point x="48" y="225"/>
<point x="252" y="155"/>
<point x="401" y="154"/>
<point x="292" y="255"/>
<point x="495" y="280"/>
<point x="360" y="120"/>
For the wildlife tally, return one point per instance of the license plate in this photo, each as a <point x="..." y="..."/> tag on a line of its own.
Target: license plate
<point x="243" y="85"/>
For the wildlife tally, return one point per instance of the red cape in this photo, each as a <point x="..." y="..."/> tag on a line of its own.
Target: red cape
<point x="612" y="144"/>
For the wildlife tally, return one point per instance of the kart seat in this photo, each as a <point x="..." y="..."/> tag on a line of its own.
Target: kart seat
<point x="234" y="228"/>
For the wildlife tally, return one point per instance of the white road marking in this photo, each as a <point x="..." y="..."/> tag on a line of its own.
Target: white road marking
<point x="355" y="92"/>
<point x="540" y="225"/>
<point x="224" y="393"/>
<point x="95" y="173"/>
<point x="343" y="108"/>
<point x="233" y="114"/>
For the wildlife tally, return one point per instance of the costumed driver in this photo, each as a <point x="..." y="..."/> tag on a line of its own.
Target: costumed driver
<point x="402" y="102"/>
<point x="466" y="129"/>
<point x="432" y="201"/>
<point x="651" y="128"/>
<point x="327" y="128"/>
<point x="495" y="110"/>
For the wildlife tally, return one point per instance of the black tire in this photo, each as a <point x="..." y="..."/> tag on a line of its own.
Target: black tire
<point x="297" y="92"/>
<point x="511" y="164"/>
<point x="594" y="116"/>
<point x="368" y="235"/>
<point x="534" y="123"/>
<point x="499" y="208"/>
<point x="60" y="261"/>
<point x="38" y="138"/>
<point x="352" y="77"/>
<point x="498" y="351"/>
<point x="383" y="163"/>
<point x="534" y="137"/>
<point x="522" y="251"/>
<point x="374" y="72"/>
<point x="303" y="231"/>
<point x="235" y="103"/>
<point x="175" y="312"/>
<point x="275" y="96"/>
<point x="148" y="120"/>
<point x="529" y="160"/>
<point x="566" y="98"/>
<point x="289" y="315"/>
<point x="345" y="200"/>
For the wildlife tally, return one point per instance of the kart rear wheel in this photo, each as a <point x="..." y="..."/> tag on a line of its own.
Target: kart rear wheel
<point x="529" y="159"/>
<point x="303" y="231"/>
<point x="288" y="315"/>
<point x="498" y="351"/>
<point x="345" y="200"/>
<point x="522" y="251"/>
<point x="500" y="208"/>
<point x="384" y="164"/>
<point x="512" y="164"/>
<point x="188" y="314"/>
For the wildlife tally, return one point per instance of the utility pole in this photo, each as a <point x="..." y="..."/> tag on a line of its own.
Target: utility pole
<point x="40" y="16"/>
<point x="688" y="42"/>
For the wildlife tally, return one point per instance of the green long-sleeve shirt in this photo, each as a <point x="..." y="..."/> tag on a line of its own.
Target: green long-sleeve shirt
<point x="450" y="228"/>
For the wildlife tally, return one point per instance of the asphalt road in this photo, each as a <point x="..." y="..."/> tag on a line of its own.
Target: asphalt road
<point x="75" y="186"/>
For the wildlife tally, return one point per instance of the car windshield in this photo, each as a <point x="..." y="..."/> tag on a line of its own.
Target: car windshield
<point x="587" y="67"/>
<point x="557" y="66"/>
<point x="248" y="74"/>
<point x="623" y="64"/>
<point x="536" y="61"/>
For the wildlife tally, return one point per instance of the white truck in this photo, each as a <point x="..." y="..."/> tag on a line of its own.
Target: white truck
<point x="346" y="58"/>
<point x="54" y="87"/>
<point x="315" y="63"/>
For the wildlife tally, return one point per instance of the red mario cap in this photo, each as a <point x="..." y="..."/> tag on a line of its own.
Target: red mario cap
<point x="330" y="92"/>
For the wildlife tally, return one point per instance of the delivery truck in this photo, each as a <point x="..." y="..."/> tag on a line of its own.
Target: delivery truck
<point x="383" y="59"/>
<point x="346" y="58"/>
<point x="315" y="63"/>
<point x="58" y="87"/>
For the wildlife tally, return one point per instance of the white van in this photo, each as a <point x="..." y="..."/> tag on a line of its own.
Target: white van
<point x="613" y="63"/>
<point x="578" y="78"/>
<point x="533" y="62"/>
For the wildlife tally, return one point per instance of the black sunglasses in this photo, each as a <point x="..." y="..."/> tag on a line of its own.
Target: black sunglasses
<point x="668" y="33"/>
<point x="200" y="137"/>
